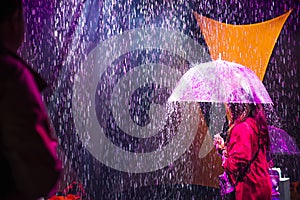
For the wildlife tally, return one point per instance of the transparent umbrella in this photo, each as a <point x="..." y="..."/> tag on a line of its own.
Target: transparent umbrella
<point x="282" y="142"/>
<point x="220" y="81"/>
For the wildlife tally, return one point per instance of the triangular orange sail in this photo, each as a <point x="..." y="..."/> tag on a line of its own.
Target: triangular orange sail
<point x="250" y="45"/>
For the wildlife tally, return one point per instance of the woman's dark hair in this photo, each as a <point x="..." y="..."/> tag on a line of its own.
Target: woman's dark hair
<point x="8" y="8"/>
<point x="241" y="111"/>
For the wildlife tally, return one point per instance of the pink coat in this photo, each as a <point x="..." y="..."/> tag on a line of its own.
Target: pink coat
<point x="242" y="146"/>
<point x="29" y="164"/>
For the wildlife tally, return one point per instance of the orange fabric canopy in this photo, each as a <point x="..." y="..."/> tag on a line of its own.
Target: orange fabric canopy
<point x="250" y="45"/>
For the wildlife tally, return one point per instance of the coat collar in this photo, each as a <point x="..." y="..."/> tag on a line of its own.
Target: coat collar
<point x="41" y="83"/>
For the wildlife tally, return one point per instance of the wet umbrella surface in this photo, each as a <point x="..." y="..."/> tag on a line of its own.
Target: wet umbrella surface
<point x="220" y="81"/>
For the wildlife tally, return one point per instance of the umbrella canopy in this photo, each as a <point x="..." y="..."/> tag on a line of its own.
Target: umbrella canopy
<point x="220" y="81"/>
<point x="282" y="142"/>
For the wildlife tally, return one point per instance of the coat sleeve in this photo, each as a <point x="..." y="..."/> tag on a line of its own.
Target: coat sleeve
<point x="27" y="139"/>
<point x="239" y="152"/>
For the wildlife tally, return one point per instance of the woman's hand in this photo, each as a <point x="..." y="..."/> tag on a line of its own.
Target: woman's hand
<point x="219" y="143"/>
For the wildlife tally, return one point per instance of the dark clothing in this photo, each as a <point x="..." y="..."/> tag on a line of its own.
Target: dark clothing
<point x="29" y="164"/>
<point x="242" y="146"/>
